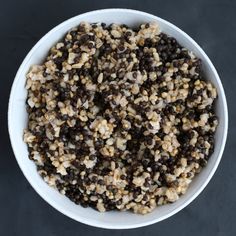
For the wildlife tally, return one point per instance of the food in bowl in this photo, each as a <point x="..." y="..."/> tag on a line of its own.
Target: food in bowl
<point x="120" y="118"/>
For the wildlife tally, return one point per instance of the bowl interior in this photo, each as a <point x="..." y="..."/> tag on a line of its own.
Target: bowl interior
<point x="18" y="121"/>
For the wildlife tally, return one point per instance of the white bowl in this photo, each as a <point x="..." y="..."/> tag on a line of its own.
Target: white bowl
<point x="17" y="121"/>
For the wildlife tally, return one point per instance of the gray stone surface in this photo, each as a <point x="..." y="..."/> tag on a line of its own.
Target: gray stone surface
<point x="211" y="23"/>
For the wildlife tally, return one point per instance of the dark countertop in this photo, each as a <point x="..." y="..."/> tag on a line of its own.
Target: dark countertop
<point x="211" y="23"/>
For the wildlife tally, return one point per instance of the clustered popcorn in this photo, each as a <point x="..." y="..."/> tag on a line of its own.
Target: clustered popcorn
<point x="119" y="118"/>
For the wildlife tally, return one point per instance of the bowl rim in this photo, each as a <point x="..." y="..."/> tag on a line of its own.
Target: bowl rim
<point x="79" y="218"/>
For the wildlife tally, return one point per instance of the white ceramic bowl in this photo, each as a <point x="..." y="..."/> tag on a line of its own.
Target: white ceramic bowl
<point x="17" y="121"/>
